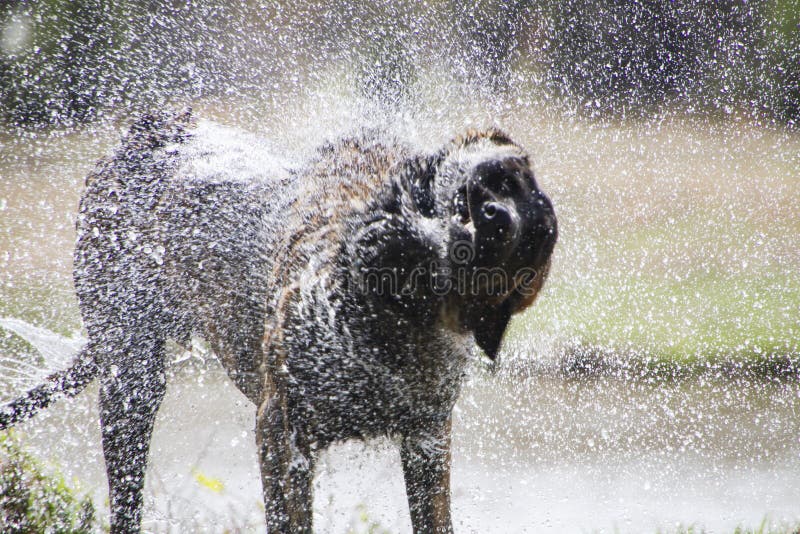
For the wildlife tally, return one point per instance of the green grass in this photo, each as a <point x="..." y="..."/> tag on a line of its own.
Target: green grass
<point x="705" y="316"/>
<point x="50" y="305"/>
<point x="677" y="243"/>
<point x="33" y="500"/>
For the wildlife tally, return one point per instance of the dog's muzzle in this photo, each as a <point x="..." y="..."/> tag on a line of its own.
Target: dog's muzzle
<point x="514" y="221"/>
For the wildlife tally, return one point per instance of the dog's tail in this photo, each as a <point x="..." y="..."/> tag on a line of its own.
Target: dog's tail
<point x="68" y="382"/>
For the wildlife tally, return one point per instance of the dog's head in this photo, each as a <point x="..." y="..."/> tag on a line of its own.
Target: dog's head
<point x="466" y="227"/>
<point x="502" y="232"/>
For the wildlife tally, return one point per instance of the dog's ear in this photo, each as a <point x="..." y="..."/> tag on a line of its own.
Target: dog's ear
<point x="391" y="263"/>
<point x="489" y="325"/>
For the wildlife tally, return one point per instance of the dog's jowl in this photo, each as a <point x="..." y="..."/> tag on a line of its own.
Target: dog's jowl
<point x="343" y="295"/>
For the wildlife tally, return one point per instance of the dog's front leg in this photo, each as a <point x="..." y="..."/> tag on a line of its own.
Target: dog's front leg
<point x="287" y="469"/>
<point x="426" y="468"/>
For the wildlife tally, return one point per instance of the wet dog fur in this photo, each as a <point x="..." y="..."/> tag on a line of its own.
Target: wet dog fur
<point x="343" y="298"/>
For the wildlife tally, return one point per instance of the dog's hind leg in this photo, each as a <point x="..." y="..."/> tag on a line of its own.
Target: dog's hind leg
<point x="426" y="469"/>
<point x="132" y="387"/>
<point x="287" y="470"/>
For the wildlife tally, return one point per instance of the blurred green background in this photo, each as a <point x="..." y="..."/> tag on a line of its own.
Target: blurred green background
<point x="63" y="61"/>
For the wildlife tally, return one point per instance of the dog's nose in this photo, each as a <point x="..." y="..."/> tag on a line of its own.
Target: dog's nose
<point x="490" y="210"/>
<point x="498" y="217"/>
<point x="488" y="189"/>
<point x="496" y="229"/>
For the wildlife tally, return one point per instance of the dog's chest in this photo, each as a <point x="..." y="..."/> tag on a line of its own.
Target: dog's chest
<point x="350" y="381"/>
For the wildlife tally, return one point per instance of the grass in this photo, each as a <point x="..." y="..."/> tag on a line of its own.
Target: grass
<point x="705" y="317"/>
<point x="677" y="242"/>
<point x="33" y="500"/>
<point x="49" y="304"/>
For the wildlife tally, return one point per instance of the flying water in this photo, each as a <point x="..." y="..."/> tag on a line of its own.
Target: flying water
<point x="654" y="383"/>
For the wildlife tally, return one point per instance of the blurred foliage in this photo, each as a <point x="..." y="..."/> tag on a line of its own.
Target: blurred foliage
<point x="33" y="501"/>
<point x="55" y="57"/>
<point x="491" y="34"/>
<point x="781" y="62"/>
<point x="702" y="55"/>
<point x="64" y="61"/>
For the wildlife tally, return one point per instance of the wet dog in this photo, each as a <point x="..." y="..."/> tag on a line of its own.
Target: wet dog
<point x="343" y="295"/>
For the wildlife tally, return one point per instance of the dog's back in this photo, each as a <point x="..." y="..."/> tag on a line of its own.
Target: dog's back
<point x="174" y="235"/>
<point x="195" y="229"/>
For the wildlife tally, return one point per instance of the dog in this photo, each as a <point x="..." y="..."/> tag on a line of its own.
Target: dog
<point x="343" y="295"/>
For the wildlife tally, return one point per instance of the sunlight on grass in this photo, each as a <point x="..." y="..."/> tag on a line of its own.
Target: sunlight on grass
<point x="710" y="316"/>
<point x="677" y="242"/>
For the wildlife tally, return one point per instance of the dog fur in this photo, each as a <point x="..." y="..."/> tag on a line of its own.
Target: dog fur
<point x="332" y="292"/>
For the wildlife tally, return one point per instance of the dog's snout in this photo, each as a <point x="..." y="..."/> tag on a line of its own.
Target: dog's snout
<point x="513" y="220"/>
<point x="499" y="216"/>
<point x="493" y="186"/>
